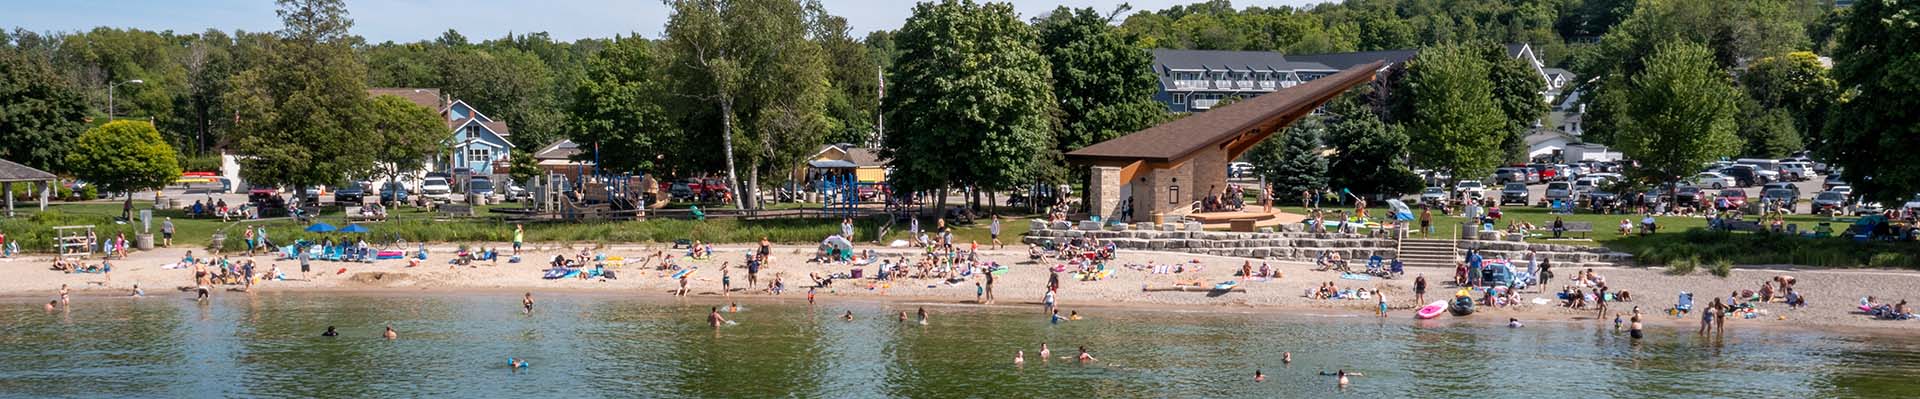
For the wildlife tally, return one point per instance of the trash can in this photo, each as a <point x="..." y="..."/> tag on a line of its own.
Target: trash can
<point x="218" y="240"/>
<point x="143" y="241"/>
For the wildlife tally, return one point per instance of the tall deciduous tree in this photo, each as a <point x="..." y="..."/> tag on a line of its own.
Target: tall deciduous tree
<point x="1449" y="111"/>
<point x="408" y="134"/>
<point x="1679" y="113"/>
<point x="1877" y="58"/>
<point x="750" y="64"/>
<point x="1516" y="90"/>
<point x="1797" y="83"/>
<point x="1369" y="155"/>
<point x="1292" y="164"/>
<point x="968" y="100"/>
<point x="300" y="109"/>
<point x="40" y="113"/>
<point x="854" y="73"/>
<point x="124" y="156"/>
<point x="1105" y="86"/>
<point x="616" y="109"/>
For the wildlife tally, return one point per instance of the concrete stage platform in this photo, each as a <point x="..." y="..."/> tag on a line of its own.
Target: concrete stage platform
<point x="1249" y="220"/>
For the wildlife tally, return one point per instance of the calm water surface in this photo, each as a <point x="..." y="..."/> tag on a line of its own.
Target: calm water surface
<point x="268" y="345"/>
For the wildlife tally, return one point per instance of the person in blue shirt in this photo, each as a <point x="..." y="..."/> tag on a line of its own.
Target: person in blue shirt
<point x="1474" y="261"/>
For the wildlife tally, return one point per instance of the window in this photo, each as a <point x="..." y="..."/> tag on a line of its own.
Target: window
<point x="479" y="154"/>
<point x="1179" y="99"/>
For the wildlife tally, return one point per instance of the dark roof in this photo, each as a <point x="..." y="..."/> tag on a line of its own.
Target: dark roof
<point x="1215" y="60"/>
<point x="865" y="157"/>
<point x="1557" y="71"/>
<point x="429" y="98"/>
<point x="1513" y="49"/>
<point x="1182" y="137"/>
<point x="13" y="172"/>
<point x="1344" y="61"/>
<point x="498" y="127"/>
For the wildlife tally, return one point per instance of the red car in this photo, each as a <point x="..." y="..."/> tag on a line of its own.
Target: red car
<point x="1736" y="198"/>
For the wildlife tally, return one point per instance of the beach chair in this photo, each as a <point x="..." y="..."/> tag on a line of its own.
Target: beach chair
<point x="1376" y="265"/>
<point x="1682" y="305"/>
<point x="1399" y="268"/>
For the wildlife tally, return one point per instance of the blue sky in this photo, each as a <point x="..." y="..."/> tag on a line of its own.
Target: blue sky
<point x="411" y="20"/>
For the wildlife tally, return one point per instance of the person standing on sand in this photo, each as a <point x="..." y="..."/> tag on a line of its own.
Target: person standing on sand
<point x="63" y="296"/>
<point x="726" y="280"/>
<point x="753" y="272"/>
<point x="683" y="286"/>
<point x="1706" y="317"/>
<point x="979" y="293"/>
<point x="1383" y="302"/>
<point x="519" y="235"/>
<point x="1420" y="288"/>
<point x="527" y="302"/>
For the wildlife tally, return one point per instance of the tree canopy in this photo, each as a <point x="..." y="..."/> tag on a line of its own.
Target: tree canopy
<point x="970" y="102"/>
<point x="301" y="109"/>
<point x="124" y="156"/>
<point x="1878" y="60"/>
<point x="40" y="114"/>
<point x="617" y="109"/>
<point x="408" y="133"/>
<point x="1450" y="114"/>
<point x="1292" y="164"/>
<point x="1679" y="113"/>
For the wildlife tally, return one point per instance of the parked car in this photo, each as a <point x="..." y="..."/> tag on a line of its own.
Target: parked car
<point x="1832" y="181"/>
<point x="1863" y="208"/>
<point x="1433" y="196"/>
<point x="683" y="190"/>
<point x="1786" y="198"/>
<point x="1601" y="200"/>
<point x="1687" y="196"/>
<point x="516" y="193"/>
<point x="1470" y="189"/>
<point x="1735" y="198"/>
<point x="436" y="188"/>
<point x="1513" y="175"/>
<point x="1514" y="193"/>
<point x="1829" y="202"/>
<point x="1782" y="185"/>
<point x="352" y="193"/>
<point x="1712" y="180"/>
<point x="1795" y="171"/>
<point x="481" y="187"/>
<point x="1743" y="175"/>
<point x="1843" y="190"/>
<point x="1586" y="184"/>
<point x="1239" y="169"/>
<point x="1559" y="190"/>
<point x="393" y="192"/>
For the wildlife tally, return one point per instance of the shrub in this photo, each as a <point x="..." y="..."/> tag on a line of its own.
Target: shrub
<point x="1721" y="268"/>
<point x="1683" y="267"/>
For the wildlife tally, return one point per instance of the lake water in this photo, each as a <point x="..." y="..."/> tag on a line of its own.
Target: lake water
<point x="268" y="345"/>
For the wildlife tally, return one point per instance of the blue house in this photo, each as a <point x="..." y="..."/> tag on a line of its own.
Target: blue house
<point x="479" y="145"/>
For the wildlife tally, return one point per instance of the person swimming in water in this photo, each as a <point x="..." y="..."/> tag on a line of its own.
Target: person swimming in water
<point x="1513" y="322"/>
<point x="527" y="302"/>
<point x="1056" y="317"/>
<point x="733" y="307"/>
<point x="848" y="316"/>
<point x="390" y="334"/>
<point x="1286" y="357"/>
<point x="903" y="315"/>
<point x="1074" y="315"/>
<point x="330" y="332"/>
<point x="714" y="319"/>
<point x="516" y="363"/>
<point x="1086" y="357"/>
<point x="1343" y="374"/>
<point x="51" y="304"/>
<point x="923" y="315"/>
<point x="1019" y="357"/>
<point x="1259" y="377"/>
<point x="137" y="292"/>
<point x="1044" y="352"/>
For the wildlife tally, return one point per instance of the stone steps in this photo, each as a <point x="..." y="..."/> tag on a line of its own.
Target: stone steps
<point x="1427" y="253"/>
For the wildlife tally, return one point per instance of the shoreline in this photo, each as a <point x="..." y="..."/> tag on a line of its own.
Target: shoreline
<point x="1020" y="288"/>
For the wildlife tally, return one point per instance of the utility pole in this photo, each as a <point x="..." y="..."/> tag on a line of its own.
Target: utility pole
<point x="879" y="117"/>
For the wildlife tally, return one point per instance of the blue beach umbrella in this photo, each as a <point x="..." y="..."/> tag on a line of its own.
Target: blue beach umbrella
<point x="354" y="228"/>
<point x="320" y="227"/>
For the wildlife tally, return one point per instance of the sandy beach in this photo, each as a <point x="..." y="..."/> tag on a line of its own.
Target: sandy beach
<point x="1833" y="294"/>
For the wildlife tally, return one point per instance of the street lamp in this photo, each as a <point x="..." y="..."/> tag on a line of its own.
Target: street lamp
<point x="110" y="95"/>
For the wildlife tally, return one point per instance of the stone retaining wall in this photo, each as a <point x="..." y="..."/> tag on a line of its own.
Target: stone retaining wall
<point x="1289" y="242"/>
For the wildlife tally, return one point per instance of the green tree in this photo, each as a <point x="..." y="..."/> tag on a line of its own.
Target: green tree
<point x="1105" y="86"/>
<point x="407" y="132"/>
<point x="749" y="64"/>
<point x="1450" y="113"/>
<point x="124" y="156"/>
<point x="40" y="113"/>
<point x="855" y="78"/>
<point x="969" y="100"/>
<point x="1878" y="59"/>
<point x="1766" y="132"/>
<point x="508" y="85"/>
<point x="1797" y="83"/>
<point x="616" y="108"/>
<point x="1293" y="164"/>
<point x="1679" y="114"/>
<point x="300" y="108"/>
<point x="1516" y="89"/>
<point x="1369" y="155"/>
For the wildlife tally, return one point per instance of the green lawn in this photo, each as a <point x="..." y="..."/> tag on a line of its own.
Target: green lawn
<point x="33" y="229"/>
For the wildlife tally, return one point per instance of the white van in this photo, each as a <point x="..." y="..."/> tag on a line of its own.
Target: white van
<point x="1767" y="168"/>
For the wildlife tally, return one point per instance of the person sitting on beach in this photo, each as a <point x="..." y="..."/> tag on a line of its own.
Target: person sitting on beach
<point x="1794" y="299"/>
